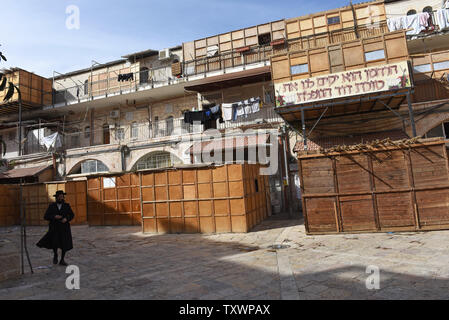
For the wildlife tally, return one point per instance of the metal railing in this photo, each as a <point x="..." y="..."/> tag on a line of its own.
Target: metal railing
<point x="172" y="127"/>
<point x="134" y="132"/>
<point x="227" y="60"/>
<point x="324" y="39"/>
<point x="110" y="85"/>
<point x="265" y="115"/>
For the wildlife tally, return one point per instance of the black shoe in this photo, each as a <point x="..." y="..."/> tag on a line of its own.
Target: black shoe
<point x="63" y="263"/>
<point x="55" y="260"/>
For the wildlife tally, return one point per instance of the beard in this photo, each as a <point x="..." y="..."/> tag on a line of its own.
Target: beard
<point x="60" y="201"/>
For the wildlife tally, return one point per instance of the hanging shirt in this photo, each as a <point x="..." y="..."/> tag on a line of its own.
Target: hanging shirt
<point x="442" y="16"/>
<point x="227" y="111"/>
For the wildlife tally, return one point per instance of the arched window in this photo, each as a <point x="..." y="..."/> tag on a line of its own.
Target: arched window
<point x="427" y="9"/>
<point x="144" y="75"/>
<point x="410" y="12"/>
<point x="86" y="87"/>
<point x="155" y="160"/>
<point x="90" y="166"/>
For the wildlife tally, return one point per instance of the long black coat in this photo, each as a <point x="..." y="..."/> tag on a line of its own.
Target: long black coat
<point x="59" y="234"/>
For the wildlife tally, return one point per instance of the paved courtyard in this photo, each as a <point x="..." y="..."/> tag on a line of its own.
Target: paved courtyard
<point x="122" y="263"/>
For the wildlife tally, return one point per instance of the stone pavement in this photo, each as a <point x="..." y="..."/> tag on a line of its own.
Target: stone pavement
<point x="122" y="263"/>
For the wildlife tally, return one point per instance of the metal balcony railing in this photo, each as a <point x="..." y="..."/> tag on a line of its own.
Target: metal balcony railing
<point x="172" y="127"/>
<point x="110" y="85"/>
<point x="227" y="60"/>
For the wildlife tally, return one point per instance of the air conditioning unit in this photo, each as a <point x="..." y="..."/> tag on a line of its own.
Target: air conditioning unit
<point x="114" y="114"/>
<point x="164" y="54"/>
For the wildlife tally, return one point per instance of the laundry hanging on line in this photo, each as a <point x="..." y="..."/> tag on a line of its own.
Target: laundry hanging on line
<point x="442" y="17"/>
<point x="417" y="22"/>
<point x="125" y="77"/>
<point x="203" y="116"/>
<point x="234" y="111"/>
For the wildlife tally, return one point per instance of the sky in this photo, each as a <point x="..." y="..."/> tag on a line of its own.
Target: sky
<point x="42" y="36"/>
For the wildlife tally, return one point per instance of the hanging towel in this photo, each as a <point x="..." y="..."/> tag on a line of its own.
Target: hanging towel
<point x="240" y="111"/>
<point x="215" y="109"/>
<point x="442" y="16"/>
<point x="227" y="111"/>
<point x="424" y="19"/>
<point x="255" y="104"/>
<point x="395" y="24"/>
<point x="247" y="107"/>
<point x="414" y="22"/>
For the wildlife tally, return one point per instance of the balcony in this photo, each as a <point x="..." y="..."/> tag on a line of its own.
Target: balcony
<point x="163" y="130"/>
<point x="324" y="39"/>
<point x="108" y="86"/>
<point x="221" y="62"/>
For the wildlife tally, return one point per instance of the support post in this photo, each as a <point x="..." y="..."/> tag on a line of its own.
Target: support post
<point x="410" y="112"/>
<point x="304" y="134"/>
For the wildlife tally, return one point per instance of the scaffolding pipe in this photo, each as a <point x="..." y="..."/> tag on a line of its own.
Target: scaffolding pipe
<point x="410" y="112"/>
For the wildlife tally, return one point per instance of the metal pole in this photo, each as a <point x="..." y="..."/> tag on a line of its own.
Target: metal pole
<point x="25" y="237"/>
<point x="20" y="121"/>
<point x="304" y="134"/>
<point x="410" y="112"/>
<point x="21" y="228"/>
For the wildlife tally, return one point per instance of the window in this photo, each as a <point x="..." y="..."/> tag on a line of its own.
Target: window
<point x="75" y="141"/>
<point x="411" y="12"/>
<point x="435" y="132"/>
<point x="120" y="134"/>
<point x="92" y="166"/>
<point x="156" y="160"/>
<point x="333" y="20"/>
<point x="86" y="87"/>
<point x="423" y="68"/>
<point x="374" y="55"/>
<point x="87" y="132"/>
<point x="427" y="9"/>
<point x="144" y="75"/>
<point x="299" y="68"/>
<point x="134" y="130"/>
<point x="169" y="126"/>
<point x="109" y="183"/>
<point x="440" y="65"/>
<point x="441" y="130"/>
<point x="264" y="39"/>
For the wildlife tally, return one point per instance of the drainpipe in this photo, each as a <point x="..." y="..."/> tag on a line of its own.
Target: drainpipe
<point x="281" y="177"/>
<point x="288" y="186"/>
<point x="54" y="165"/>
<point x="124" y="150"/>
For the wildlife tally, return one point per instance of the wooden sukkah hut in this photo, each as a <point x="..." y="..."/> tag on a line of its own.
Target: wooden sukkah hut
<point x="376" y="187"/>
<point x="183" y="199"/>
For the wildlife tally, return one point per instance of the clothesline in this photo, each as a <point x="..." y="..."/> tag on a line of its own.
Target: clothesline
<point x="224" y="112"/>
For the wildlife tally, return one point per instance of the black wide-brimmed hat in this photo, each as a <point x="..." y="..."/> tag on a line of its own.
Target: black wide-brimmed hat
<point x="58" y="193"/>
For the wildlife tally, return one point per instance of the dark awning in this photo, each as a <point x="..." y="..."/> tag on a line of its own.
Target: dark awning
<point x="23" y="172"/>
<point x="230" y="79"/>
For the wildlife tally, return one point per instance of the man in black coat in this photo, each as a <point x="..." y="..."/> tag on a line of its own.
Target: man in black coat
<point x="59" y="234"/>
